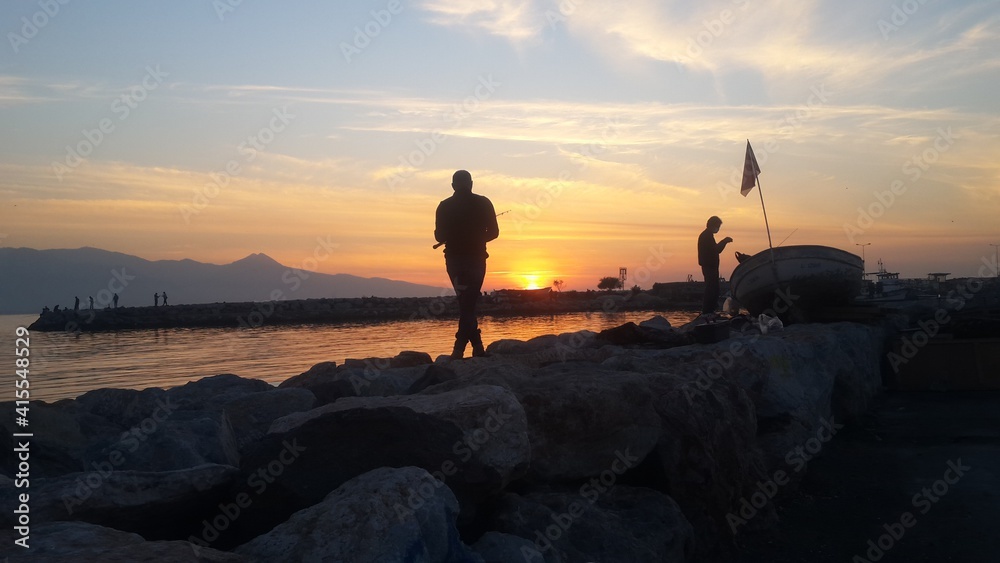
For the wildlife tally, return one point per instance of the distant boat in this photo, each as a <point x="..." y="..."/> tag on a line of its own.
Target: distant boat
<point x="793" y="281"/>
<point x="887" y="288"/>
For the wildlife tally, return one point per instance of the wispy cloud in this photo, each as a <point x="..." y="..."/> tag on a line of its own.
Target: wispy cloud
<point x="516" y="20"/>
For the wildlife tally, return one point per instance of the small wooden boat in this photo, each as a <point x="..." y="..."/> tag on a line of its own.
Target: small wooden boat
<point x="792" y="281"/>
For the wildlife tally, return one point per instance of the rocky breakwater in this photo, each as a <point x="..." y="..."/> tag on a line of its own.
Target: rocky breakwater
<point x="334" y="310"/>
<point x="634" y="444"/>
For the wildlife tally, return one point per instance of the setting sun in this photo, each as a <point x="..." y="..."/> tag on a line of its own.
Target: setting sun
<point x="531" y="282"/>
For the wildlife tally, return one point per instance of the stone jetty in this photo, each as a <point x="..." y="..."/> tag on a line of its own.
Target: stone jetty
<point x="251" y="314"/>
<point x="634" y="444"/>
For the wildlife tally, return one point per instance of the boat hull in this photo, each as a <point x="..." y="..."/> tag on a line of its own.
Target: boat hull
<point x="796" y="281"/>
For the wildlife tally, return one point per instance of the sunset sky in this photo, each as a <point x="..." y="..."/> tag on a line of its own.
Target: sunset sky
<point x="610" y="131"/>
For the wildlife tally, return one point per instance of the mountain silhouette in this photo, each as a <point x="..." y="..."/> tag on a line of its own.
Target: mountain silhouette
<point x="37" y="278"/>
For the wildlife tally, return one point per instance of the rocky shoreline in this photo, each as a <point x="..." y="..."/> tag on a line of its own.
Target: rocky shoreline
<point x="634" y="444"/>
<point x="336" y="310"/>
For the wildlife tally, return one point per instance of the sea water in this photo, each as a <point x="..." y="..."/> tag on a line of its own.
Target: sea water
<point x="65" y="365"/>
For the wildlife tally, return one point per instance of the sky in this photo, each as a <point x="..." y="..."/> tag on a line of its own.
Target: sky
<point x="324" y="134"/>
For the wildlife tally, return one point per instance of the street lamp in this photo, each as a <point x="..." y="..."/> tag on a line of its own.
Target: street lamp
<point x="996" y="258"/>
<point x="863" y="245"/>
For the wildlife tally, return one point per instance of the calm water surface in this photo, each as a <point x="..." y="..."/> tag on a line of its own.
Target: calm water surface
<point x="64" y="365"/>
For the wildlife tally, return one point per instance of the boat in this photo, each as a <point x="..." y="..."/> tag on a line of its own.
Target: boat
<point x="887" y="288"/>
<point x="793" y="282"/>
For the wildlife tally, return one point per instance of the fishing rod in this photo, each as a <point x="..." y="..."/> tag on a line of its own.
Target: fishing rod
<point x="786" y="238"/>
<point x="498" y="214"/>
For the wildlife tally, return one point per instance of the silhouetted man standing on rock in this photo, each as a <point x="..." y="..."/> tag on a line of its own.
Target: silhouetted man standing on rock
<point x="465" y="222"/>
<point x="708" y="259"/>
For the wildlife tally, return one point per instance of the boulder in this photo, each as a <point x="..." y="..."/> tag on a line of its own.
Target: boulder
<point x="57" y="446"/>
<point x="186" y="439"/>
<point x="601" y="521"/>
<point x="373" y="377"/>
<point x="434" y="374"/>
<point x="791" y="376"/>
<point x="251" y="415"/>
<point x="387" y="514"/>
<point x="550" y="349"/>
<point x="123" y="407"/>
<point x="497" y="547"/>
<point x="374" y="382"/>
<point x="648" y="333"/>
<point x="405" y="359"/>
<point x="707" y="458"/>
<point x="148" y="430"/>
<point x="125" y="500"/>
<point x="658" y="322"/>
<point x="322" y="381"/>
<point x="736" y="413"/>
<point x="56" y="542"/>
<point x="543" y="344"/>
<point x="580" y="416"/>
<point x="211" y="393"/>
<point x="474" y="439"/>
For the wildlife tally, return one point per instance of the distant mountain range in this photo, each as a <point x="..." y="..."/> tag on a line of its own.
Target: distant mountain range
<point x="36" y="278"/>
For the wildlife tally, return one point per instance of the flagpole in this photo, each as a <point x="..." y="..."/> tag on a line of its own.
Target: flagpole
<point x="768" y="227"/>
<point x="750" y="167"/>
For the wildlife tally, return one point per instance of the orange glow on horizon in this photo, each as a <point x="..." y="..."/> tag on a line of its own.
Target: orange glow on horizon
<point x="531" y="281"/>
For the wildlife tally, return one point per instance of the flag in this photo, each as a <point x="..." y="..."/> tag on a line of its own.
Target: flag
<point x="750" y="171"/>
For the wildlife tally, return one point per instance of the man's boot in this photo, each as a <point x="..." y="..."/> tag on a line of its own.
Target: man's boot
<point x="458" y="352"/>
<point x="477" y="346"/>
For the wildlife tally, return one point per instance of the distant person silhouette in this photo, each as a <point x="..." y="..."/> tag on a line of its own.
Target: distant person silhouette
<point x="76" y="304"/>
<point x="156" y="300"/>
<point x="91" y="302"/>
<point x="708" y="259"/>
<point x="465" y="222"/>
<point x="115" y="299"/>
<point x="164" y="298"/>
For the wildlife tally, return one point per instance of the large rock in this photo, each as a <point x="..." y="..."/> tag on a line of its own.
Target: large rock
<point x="405" y="359"/>
<point x="321" y="379"/>
<point x="148" y="430"/>
<point x="738" y="412"/>
<point x="647" y="333"/>
<point x="386" y="514"/>
<point x="211" y="393"/>
<point x="251" y="415"/>
<point x="601" y="521"/>
<point x="126" y="500"/>
<point x="580" y="416"/>
<point x="374" y="377"/>
<point x="541" y="351"/>
<point x="799" y="379"/>
<point x="202" y="422"/>
<point x="566" y="341"/>
<point x="58" y="443"/>
<point x="497" y="547"/>
<point x="123" y="407"/>
<point x="57" y="542"/>
<point x="474" y="439"/>
<point x="187" y="439"/>
<point x="707" y="455"/>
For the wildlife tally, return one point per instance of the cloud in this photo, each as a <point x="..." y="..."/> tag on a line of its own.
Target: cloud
<point x="515" y="20"/>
